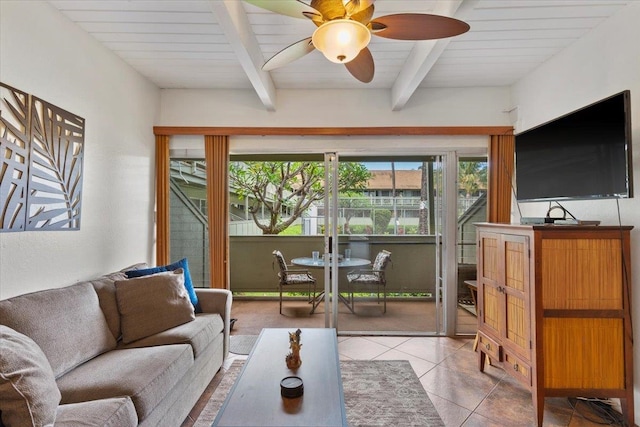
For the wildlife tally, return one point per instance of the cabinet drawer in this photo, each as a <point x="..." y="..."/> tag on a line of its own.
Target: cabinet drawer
<point x="489" y="346"/>
<point x="517" y="368"/>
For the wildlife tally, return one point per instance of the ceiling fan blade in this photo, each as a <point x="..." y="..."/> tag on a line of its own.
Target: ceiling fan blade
<point x="289" y="54"/>
<point x="294" y="8"/>
<point x="362" y="67"/>
<point x="330" y="9"/>
<point x="315" y="17"/>
<point x="417" y="26"/>
<point x="364" y="16"/>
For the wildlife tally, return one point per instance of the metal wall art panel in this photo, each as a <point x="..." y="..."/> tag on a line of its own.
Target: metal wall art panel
<point x="41" y="173"/>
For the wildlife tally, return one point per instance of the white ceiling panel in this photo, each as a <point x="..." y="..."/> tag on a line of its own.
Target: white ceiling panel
<point x="133" y="5"/>
<point x="223" y="43"/>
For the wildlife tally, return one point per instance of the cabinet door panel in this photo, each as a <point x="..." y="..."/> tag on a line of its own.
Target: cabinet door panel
<point x="490" y="316"/>
<point x="582" y="274"/>
<point x="517" y="331"/>
<point x="515" y="263"/>
<point x="517" y="324"/>
<point x="583" y="353"/>
<point x="489" y="272"/>
<point x="490" y="244"/>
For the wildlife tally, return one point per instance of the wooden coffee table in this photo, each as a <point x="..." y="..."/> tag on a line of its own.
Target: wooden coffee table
<point x="255" y="400"/>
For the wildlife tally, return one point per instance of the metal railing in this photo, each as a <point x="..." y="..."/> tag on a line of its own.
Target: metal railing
<point x="248" y="243"/>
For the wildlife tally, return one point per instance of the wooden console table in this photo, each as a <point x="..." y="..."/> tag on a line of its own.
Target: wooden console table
<point x="554" y="309"/>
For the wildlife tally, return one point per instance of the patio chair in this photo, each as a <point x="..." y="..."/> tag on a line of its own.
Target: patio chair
<point x="373" y="276"/>
<point x="289" y="277"/>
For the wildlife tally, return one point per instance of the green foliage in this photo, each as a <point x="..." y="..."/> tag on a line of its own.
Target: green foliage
<point x="288" y="186"/>
<point x="361" y="229"/>
<point x="381" y="220"/>
<point x="350" y="204"/>
<point x="472" y="176"/>
<point x="352" y="178"/>
<point x="410" y="229"/>
<point x="292" y="230"/>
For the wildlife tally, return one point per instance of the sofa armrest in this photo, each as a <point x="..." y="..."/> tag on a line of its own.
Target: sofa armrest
<point x="217" y="301"/>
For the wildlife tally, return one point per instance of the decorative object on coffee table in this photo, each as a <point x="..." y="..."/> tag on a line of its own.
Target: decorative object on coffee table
<point x="293" y="358"/>
<point x="291" y="387"/>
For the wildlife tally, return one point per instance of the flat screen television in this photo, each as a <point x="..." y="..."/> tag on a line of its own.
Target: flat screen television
<point x="585" y="154"/>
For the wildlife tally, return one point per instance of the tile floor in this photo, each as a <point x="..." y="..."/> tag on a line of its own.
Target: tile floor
<point x="463" y="396"/>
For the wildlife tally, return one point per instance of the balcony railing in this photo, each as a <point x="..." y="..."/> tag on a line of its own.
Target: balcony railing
<point x="412" y="270"/>
<point x="251" y="270"/>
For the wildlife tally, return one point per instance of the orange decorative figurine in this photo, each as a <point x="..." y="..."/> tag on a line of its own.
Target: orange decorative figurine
<point x="293" y="358"/>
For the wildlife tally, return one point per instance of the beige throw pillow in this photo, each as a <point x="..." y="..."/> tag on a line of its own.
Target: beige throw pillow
<point x="29" y="395"/>
<point x="152" y="304"/>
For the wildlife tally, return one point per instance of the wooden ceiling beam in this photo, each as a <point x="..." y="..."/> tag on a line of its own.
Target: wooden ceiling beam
<point x="424" y="55"/>
<point x="235" y="24"/>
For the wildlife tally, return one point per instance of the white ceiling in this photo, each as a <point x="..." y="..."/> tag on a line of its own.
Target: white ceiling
<point x="215" y="44"/>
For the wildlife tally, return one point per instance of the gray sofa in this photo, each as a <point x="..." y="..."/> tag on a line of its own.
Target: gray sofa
<point x="107" y="373"/>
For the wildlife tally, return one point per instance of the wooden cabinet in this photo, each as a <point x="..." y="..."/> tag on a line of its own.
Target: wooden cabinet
<point x="554" y="309"/>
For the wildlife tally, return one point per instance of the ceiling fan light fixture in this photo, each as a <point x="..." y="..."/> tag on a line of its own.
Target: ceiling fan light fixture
<point x="341" y="40"/>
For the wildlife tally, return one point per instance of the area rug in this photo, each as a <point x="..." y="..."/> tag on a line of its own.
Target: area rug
<point x="376" y="393"/>
<point x="242" y="344"/>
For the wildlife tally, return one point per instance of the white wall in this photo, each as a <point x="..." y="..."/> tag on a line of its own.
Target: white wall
<point x="602" y="64"/>
<point x="44" y="54"/>
<point x="336" y="108"/>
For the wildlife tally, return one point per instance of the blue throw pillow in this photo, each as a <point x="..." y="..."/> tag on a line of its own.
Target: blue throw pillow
<point x="188" y="284"/>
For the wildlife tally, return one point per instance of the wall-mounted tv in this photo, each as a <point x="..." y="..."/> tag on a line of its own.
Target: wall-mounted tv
<point x="585" y="154"/>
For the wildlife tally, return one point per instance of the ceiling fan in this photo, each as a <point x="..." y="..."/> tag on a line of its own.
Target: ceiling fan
<point x="345" y="28"/>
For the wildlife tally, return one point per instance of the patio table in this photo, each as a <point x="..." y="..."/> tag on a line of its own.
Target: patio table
<point x="319" y="263"/>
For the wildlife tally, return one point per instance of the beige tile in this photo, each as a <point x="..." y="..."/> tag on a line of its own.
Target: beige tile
<point x="466" y="389"/>
<point x="390" y="342"/>
<point x="583" y="416"/>
<point x="476" y="420"/>
<point x="557" y="412"/>
<point x="360" y="348"/>
<point x="427" y="348"/>
<point x="465" y="359"/>
<point x="452" y="415"/>
<point x="420" y="366"/>
<point x="512" y="402"/>
<point x="508" y="403"/>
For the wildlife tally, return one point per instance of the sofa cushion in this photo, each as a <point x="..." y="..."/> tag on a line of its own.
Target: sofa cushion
<point x="198" y="334"/>
<point x="144" y="374"/>
<point x="115" y="412"/>
<point x="183" y="264"/>
<point x="66" y="323"/>
<point x="28" y="391"/>
<point x="152" y="304"/>
<point x="106" y="290"/>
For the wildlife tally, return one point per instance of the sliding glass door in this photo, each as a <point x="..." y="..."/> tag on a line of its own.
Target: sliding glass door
<point x="393" y="224"/>
<point x="471" y="209"/>
<point x="400" y="228"/>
